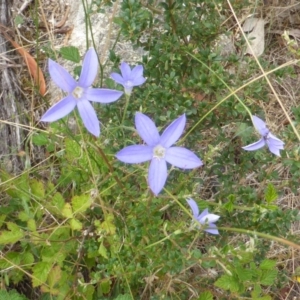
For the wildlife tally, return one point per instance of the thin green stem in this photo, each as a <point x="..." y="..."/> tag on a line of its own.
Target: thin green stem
<point x="127" y="97"/>
<point x="86" y="25"/>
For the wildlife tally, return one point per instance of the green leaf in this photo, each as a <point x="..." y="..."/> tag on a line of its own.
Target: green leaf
<point x="40" y="273"/>
<point x="31" y="225"/>
<point x="228" y="282"/>
<point x="67" y="211"/>
<point x="11" y="295"/>
<point x="256" y="291"/>
<point x="37" y="188"/>
<point x="108" y="225"/>
<point x="244" y="274"/>
<point x="81" y="203"/>
<point x="270" y="193"/>
<point x="2" y="219"/>
<point x="23" y="216"/>
<point x="70" y="53"/>
<point x="27" y="258"/>
<point x="105" y="286"/>
<point x="12" y="236"/>
<point x="103" y="251"/>
<point x="267" y="264"/>
<point x="124" y="297"/>
<point x="75" y="224"/>
<point x="264" y="298"/>
<point x="268" y="277"/>
<point x="206" y="296"/>
<point x="40" y="139"/>
<point x="11" y="259"/>
<point x="54" y="276"/>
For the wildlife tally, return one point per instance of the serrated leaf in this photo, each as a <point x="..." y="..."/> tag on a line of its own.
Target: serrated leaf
<point x="102" y="250"/>
<point x="244" y="274"/>
<point x="58" y="201"/>
<point x="51" y="291"/>
<point x="23" y="216"/>
<point x="31" y="225"/>
<point x="228" y="282"/>
<point x="264" y="298"/>
<point x="19" y="188"/>
<point x="256" y="291"/>
<point x="27" y="258"/>
<point x="75" y="224"/>
<point x="267" y="264"/>
<point x="37" y="188"/>
<point x="67" y="211"/>
<point x="268" y="277"/>
<point x="40" y="273"/>
<point x="206" y="296"/>
<point x="40" y="139"/>
<point x="123" y="297"/>
<point x="70" y="53"/>
<point x="12" y="236"/>
<point x="54" y="276"/>
<point x="2" y="219"/>
<point x="109" y="227"/>
<point x="11" y="295"/>
<point x="11" y="259"/>
<point x="81" y="203"/>
<point x="105" y="286"/>
<point x="224" y="282"/>
<point x="270" y="193"/>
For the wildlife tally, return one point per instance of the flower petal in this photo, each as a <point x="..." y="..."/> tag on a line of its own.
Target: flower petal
<point x="125" y="70"/>
<point x="102" y="95"/>
<point x="135" y="154"/>
<point x="255" y="146"/>
<point x="182" y="158"/>
<point x="193" y="205"/>
<point x="260" y="125"/>
<point x="275" y="144"/>
<point x="157" y="175"/>
<point x="61" y="76"/>
<point x="209" y="218"/>
<point x="274" y="150"/>
<point x="146" y="129"/>
<point x="137" y="72"/>
<point x="117" y="78"/>
<point x="138" y="81"/>
<point x="89" y="69"/>
<point x="89" y="117"/>
<point x="202" y="215"/>
<point x="211" y="229"/>
<point x="59" y="110"/>
<point x="173" y="132"/>
<point x="275" y="141"/>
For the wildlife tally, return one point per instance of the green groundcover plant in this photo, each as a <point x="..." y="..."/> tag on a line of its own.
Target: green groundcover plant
<point x="129" y="213"/>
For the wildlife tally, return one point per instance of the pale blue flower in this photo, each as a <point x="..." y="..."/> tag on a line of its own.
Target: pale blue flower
<point x="158" y="149"/>
<point x="205" y="218"/>
<point x="129" y="78"/>
<point x="79" y="93"/>
<point x="267" y="138"/>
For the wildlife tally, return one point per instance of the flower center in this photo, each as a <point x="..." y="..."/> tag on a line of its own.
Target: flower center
<point x="129" y="83"/>
<point x="77" y="92"/>
<point x="159" y="152"/>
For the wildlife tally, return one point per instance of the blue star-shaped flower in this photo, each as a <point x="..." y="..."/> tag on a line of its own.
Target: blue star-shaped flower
<point x="205" y="218"/>
<point x="129" y="78"/>
<point x="79" y="93"/>
<point x="267" y="138"/>
<point x="158" y="149"/>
